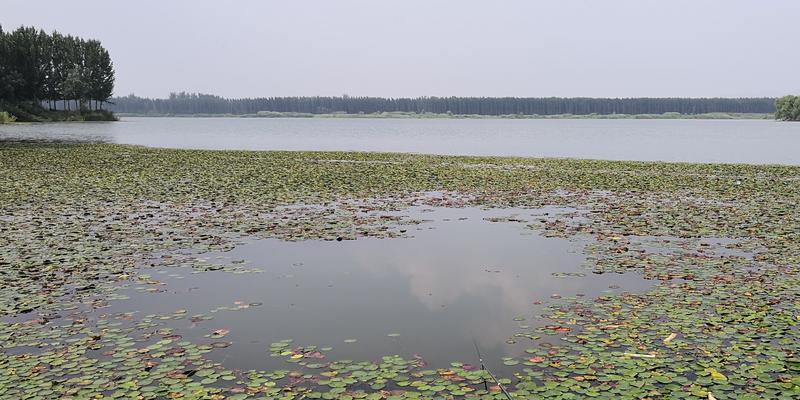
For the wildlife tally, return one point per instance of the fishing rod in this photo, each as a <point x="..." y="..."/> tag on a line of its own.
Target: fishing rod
<point x="483" y="367"/>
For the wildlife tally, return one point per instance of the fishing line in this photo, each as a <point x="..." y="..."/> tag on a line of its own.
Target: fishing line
<point x="483" y="367"/>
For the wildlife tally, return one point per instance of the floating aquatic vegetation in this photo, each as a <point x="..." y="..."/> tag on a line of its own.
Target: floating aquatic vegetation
<point x="77" y="220"/>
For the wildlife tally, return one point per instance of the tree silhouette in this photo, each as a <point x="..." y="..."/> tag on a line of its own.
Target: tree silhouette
<point x="40" y="67"/>
<point x="191" y="103"/>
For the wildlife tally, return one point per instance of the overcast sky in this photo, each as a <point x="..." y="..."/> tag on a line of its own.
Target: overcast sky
<point x="610" y="48"/>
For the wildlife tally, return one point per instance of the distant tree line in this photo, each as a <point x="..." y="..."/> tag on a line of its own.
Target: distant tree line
<point x="788" y="108"/>
<point x="191" y="103"/>
<point x="54" y="70"/>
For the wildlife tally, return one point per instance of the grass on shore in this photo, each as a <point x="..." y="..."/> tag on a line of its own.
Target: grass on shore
<point x="32" y="112"/>
<point x="6" y="118"/>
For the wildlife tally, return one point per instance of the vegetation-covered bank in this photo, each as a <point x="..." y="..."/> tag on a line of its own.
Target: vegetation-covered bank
<point x="6" y="117"/>
<point x="409" y="115"/>
<point x="32" y="112"/>
<point x="191" y="103"/>
<point x="76" y="219"/>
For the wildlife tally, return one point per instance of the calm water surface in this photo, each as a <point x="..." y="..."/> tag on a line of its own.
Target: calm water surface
<point x="458" y="278"/>
<point x="729" y="141"/>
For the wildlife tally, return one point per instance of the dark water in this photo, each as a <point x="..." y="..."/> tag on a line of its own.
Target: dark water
<point x="729" y="141"/>
<point x="454" y="281"/>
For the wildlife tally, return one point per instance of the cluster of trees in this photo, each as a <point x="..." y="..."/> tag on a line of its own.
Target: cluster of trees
<point x="54" y="70"/>
<point x="787" y="108"/>
<point x="190" y="103"/>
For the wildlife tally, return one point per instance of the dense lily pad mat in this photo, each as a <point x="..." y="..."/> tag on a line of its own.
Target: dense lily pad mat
<point x="75" y="221"/>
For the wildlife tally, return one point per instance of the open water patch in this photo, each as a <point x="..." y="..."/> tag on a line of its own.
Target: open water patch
<point x="455" y="279"/>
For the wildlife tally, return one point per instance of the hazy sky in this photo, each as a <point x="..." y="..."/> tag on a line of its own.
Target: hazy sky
<point x="610" y="48"/>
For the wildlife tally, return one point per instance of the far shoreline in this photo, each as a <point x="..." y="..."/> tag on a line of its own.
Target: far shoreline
<point x="400" y="115"/>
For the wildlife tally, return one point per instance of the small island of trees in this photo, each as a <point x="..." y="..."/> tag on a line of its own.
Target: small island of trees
<point x="47" y="77"/>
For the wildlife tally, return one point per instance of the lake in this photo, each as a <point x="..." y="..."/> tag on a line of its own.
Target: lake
<point x="705" y="141"/>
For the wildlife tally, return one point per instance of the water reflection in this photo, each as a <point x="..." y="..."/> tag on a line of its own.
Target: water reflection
<point x="456" y="279"/>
